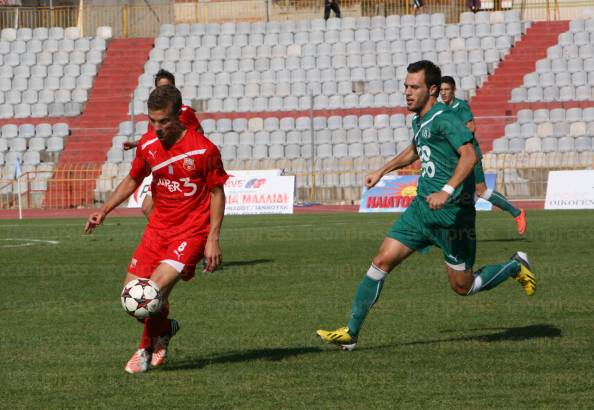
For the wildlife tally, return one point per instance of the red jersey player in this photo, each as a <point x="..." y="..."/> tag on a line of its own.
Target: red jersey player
<point x="188" y="179"/>
<point x="187" y="118"/>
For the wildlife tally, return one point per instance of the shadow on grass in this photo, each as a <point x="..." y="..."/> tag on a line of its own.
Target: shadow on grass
<point x="516" y="239"/>
<point x="246" y="263"/>
<point x="268" y="354"/>
<point x="504" y="334"/>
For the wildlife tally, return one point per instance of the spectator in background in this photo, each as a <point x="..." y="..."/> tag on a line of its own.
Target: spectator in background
<point x="474" y="5"/>
<point x="331" y="5"/>
<point x="419" y="7"/>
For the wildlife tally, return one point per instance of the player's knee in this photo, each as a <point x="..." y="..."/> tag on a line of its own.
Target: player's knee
<point x="460" y="289"/>
<point x="383" y="262"/>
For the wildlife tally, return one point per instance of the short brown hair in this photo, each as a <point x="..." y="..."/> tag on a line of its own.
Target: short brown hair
<point x="449" y="80"/>
<point x="164" y="74"/>
<point x="164" y="97"/>
<point x="432" y="72"/>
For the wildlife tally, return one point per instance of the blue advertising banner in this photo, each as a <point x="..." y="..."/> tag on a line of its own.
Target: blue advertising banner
<point x="395" y="193"/>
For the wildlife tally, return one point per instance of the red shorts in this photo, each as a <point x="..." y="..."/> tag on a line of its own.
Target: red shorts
<point x="181" y="252"/>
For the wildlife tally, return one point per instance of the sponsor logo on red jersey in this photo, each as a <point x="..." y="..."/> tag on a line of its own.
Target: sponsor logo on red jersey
<point x="189" y="164"/>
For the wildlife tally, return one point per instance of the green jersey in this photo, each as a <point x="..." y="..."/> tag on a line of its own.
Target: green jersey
<point x="462" y="110"/>
<point x="437" y="138"/>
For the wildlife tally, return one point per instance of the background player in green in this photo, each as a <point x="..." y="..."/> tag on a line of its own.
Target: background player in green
<point x="461" y="108"/>
<point x="442" y="214"/>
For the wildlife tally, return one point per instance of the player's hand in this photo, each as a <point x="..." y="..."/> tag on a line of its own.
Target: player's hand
<point x="129" y="145"/>
<point x="212" y="255"/>
<point x="437" y="200"/>
<point x="372" y="179"/>
<point x="95" y="219"/>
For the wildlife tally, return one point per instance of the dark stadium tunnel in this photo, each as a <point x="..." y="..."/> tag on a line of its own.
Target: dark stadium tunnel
<point x="503" y="334"/>
<point x="272" y="354"/>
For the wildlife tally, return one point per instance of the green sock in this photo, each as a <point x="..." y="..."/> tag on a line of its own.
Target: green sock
<point x="366" y="295"/>
<point x="501" y="202"/>
<point x="490" y="276"/>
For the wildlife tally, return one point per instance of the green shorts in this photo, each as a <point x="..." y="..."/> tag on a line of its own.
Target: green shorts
<point x="452" y="229"/>
<point x="479" y="174"/>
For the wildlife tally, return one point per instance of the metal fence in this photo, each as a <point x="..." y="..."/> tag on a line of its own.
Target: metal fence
<point x="75" y="186"/>
<point x="144" y="20"/>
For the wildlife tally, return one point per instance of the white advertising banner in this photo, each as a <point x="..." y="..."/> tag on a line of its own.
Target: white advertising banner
<point x="259" y="195"/>
<point x="570" y="190"/>
<point x="254" y="173"/>
<point x="248" y="192"/>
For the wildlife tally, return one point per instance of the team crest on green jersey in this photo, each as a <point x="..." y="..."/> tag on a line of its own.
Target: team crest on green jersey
<point x="426" y="133"/>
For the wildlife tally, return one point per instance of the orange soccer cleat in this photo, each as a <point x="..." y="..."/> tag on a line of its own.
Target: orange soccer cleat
<point x="521" y="222"/>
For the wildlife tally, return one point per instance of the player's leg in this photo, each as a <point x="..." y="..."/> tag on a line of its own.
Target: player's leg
<point x="156" y="325"/>
<point x="459" y="250"/>
<point x="159" y="328"/>
<point x="179" y="263"/>
<point x="327" y="7"/>
<point x="403" y="239"/>
<point x="139" y="362"/>
<point x="336" y="8"/>
<point x="390" y="254"/>
<point x="498" y="199"/>
<point x="147" y="205"/>
<point x="147" y="263"/>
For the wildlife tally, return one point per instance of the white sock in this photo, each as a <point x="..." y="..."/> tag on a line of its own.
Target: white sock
<point x="487" y="194"/>
<point x="376" y="273"/>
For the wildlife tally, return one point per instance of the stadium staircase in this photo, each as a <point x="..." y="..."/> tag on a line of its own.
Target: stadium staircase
<point x="93" y="131"/>
<point x="491" y="104"/>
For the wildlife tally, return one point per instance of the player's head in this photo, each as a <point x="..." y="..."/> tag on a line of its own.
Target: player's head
<point x="164" y="106"/>
<point x="421" y="85"/>
<point x="447" y="89"/>
<point x="164" y="77"/>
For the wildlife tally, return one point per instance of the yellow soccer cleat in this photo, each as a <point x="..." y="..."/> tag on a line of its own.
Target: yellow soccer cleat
<point x="339" y="337"/>
<point x="525" y="276"/>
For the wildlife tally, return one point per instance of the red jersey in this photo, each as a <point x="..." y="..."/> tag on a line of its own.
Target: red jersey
<point x="183" y="177"/>
<point x="187" y="117"/>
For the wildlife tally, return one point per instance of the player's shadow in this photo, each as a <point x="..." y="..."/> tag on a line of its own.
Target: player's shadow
<point x="503" y="334"/>
<point x="268" y="354"/>
<point x="251" y="262"/>
<point x="503" y="240"/>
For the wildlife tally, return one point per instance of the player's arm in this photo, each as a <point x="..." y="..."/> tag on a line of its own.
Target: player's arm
<point x="404" y="158"/>
<point x="129" y="145"/>
<point x="466" y="163"/>
<point x="212" y="251"/>
<point x="121" y="193"/>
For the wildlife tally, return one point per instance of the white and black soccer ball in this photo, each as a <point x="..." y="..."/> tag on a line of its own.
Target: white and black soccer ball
<point x="141" y="298"/>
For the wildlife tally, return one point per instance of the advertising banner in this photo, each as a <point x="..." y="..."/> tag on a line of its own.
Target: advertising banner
<point x="395" y="193"/>
<point x="570" y="190"/>
<point x="236" y="178"/>
<point x="260" y="195"/>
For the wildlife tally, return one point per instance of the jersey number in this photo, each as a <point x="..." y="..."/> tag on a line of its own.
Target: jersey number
<point x="189" y="184"/>
<point x="427" y="166"/>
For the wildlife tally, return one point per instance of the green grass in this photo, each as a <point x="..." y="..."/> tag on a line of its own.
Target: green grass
<point x="247" y="338"/>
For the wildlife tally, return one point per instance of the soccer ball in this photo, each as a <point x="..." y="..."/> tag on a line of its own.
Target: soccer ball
<point x="141" y="298"/>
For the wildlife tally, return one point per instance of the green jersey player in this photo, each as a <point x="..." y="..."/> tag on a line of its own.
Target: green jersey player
<point x="448" y="91"/>
<point x="442" y="214"/>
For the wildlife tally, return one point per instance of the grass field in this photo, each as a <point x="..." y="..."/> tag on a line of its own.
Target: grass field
<point x="248" y="331"/>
